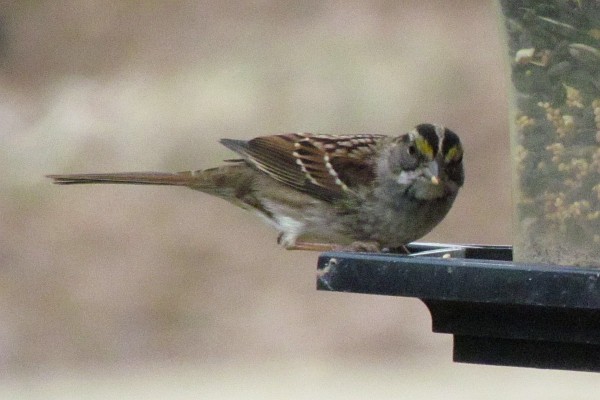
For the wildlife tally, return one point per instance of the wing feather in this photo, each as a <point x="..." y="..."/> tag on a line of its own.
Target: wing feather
<point x="324" y="166"/>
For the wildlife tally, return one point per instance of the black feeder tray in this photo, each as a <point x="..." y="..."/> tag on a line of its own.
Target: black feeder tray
<point x="500" y="312"/>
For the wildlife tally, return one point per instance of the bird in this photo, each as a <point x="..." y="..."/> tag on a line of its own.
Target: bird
<point x="360" y="192"/>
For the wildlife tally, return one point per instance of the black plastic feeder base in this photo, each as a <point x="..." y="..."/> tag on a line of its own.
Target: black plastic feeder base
<point x="500" y="312"/>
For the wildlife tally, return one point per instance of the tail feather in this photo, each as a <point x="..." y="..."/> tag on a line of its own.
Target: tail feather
<point x="235" y="182"/>
<point x="239" y="146"/>
<point x="136" y="178"/>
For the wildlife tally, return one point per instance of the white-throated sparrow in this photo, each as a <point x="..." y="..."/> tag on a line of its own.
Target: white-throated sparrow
<point x="364" y="192"/>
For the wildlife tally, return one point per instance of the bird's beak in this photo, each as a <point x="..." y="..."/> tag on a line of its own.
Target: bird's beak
<point x="432" y="171"/>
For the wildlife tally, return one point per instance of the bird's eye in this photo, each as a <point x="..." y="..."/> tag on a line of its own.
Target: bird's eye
<point x="412" y="150"/>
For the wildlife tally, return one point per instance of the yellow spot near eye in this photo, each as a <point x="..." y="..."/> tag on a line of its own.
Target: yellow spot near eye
<point x="424" y="147"/>
<point x="453" y="154"/>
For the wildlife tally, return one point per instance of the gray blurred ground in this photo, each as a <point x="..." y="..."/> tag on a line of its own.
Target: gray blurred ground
<point x="167" y="293"/>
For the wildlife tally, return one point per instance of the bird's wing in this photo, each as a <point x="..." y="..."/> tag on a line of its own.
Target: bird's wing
<point x="324" y="166"/>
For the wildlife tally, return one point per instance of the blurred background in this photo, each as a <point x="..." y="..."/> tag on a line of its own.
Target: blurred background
<point x="160" y="292"/>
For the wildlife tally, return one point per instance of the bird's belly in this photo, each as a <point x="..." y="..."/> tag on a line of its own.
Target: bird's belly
<point x="314" y="222"/>
<point x="400" y="223"/>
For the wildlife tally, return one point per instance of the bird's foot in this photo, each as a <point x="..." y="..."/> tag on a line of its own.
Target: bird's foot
<point x="362" y="247"/>
<point x="398" y="250"/>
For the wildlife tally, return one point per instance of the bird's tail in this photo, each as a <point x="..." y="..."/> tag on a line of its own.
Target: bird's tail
<point x="233" y="182"/>
<point x="137" y="178"/>
<point x="229" y="180"/>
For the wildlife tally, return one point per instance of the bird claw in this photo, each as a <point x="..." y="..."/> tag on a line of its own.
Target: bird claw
<point x="360" y="247"/>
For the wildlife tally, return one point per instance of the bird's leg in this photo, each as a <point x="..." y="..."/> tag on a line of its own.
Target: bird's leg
<point x="310" y="246"/>
<point x="365" y="247"/>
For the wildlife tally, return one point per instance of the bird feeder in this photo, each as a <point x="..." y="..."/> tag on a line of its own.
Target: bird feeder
<point x="555" y="129"/>
<point x="536" y="304"/>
